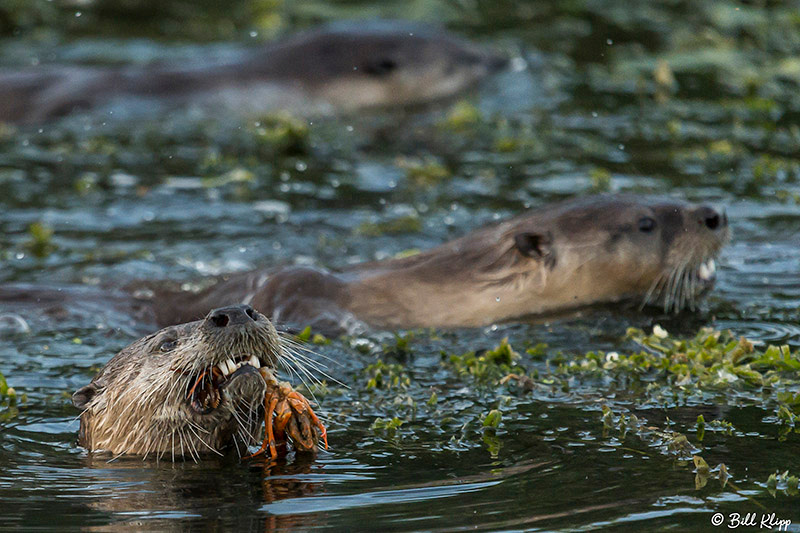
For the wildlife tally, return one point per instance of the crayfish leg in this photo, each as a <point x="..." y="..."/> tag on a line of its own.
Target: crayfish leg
<point x="270" y="402"/>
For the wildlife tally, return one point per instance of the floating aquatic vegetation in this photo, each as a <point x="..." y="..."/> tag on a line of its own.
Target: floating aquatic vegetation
<point x="783" y="482"/>
<point x="601" y="179"/>
<point x="424" y="172"/>
<point x="703" y="473"/>
<point x="389" y="425"/>
<point x="41" y="239"/>
<point x="768" y="168"/>
<point x="487" y="367"/>
<point x="386" y="376"/>
<point x="515" y="136"/>
<point x="493" y="418"/>
<point x="668" y="442"/>
<point x="410" y="223"/>
<point x="317" y="389"/>
<point x="236" y="175"/>
<point x="463" y="115"/>
<point x="306" y="335"/>
<point x="402" y="345"/>
<point x="713" y="362"/>
<point x="491" y="421"/>
<point x="282" y="133"/>
<point x="9" y="400"/>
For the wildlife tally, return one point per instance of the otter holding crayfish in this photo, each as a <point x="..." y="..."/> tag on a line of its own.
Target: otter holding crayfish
<point x="198" y="388"/>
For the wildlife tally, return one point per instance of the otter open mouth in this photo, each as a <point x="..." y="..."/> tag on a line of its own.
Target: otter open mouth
<point x="707" y="271"/>
<point x="681" y="286"/>
<point x="686" y="286"/>
<point x="205" y="393"/>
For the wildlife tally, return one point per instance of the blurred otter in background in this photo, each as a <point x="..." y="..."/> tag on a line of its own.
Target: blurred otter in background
<point x="340" y="67"/>
<point x="546" y="261"/>
<point x="579" y="252"/>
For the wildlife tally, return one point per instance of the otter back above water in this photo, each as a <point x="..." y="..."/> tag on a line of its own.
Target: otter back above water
<point x="553" y="258"/>
<point x="341" y="67"/>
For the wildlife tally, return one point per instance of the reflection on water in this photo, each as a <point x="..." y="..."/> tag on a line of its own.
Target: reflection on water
<point x="586" y="105"/>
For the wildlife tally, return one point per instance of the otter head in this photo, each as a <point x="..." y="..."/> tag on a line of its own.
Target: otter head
<point x="388" y="63"/>
<point x="184" y="391"/>
<point x="606" y="249"/>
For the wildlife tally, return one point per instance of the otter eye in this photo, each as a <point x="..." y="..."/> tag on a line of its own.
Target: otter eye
<point x="382" y="67"/>
<point x="168" y="346"/>
<point x="647" y="224"/>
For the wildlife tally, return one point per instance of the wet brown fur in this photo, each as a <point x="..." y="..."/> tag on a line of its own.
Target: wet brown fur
<point x="348" y="67"/>
<point x="137" y="404"/>
<point x="548" y="260"/>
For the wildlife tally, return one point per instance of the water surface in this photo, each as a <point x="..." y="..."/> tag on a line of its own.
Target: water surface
<point x="588" y="105"/>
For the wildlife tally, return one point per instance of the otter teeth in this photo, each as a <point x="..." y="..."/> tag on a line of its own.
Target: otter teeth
<point x="228" y="367"/>
<point x="707" y="270"/>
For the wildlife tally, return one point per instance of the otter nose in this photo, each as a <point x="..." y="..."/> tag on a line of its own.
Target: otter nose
<point x="711" y="218"/>
<point x="233" y="315"/>
<point x="497" y="62"/>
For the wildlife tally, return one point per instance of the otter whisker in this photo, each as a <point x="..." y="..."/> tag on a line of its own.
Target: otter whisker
<point x="297" y="357"/>
<point x="180" y="436"/>
<point x="303" y="363"/>
<point x="687" y="285"/>
<point x="288" y="341"/>
<point x="668" y="290"/>
<point x="656" y="289"/>
<point x="193" y="455"/>
<point x="234" y="436"/>
<point x="176" y="384"/>
<point x="687" y="289"/>
<point x="293" y="371"/>
<point x="294" y="352"/>
<point x="304" y="368"/>
<point x="671" y="289"/>
<point x="203" y="442"/>
<point x="160" y="450"/>
<point x="679" y="288"/>
<point x="678" y="299"/>
<point x="300" y="367"/>
<point x="244" y="430"/>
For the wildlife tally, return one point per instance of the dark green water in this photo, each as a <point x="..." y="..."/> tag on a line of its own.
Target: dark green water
<point x="582" y="109"/>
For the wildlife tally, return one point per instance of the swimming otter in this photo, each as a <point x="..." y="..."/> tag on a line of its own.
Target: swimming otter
<point x="340" y="67"/>
<point x="193" y="389"/>
<point x="553" y="258"/>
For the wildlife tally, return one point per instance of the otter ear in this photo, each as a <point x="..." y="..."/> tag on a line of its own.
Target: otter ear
<point x="84" y="395"/>
<point x="536" y="245"/>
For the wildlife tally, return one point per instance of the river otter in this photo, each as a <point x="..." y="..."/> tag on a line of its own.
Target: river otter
<point x="551" y="259"/>
<point x="339" y="67"/>
<point x="192" y="389"/>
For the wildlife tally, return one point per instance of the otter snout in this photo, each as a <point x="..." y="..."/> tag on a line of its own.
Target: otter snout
<point x="496" y="63"/>
<point x="711" y="218"/>
<point x="234" y="315"/>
